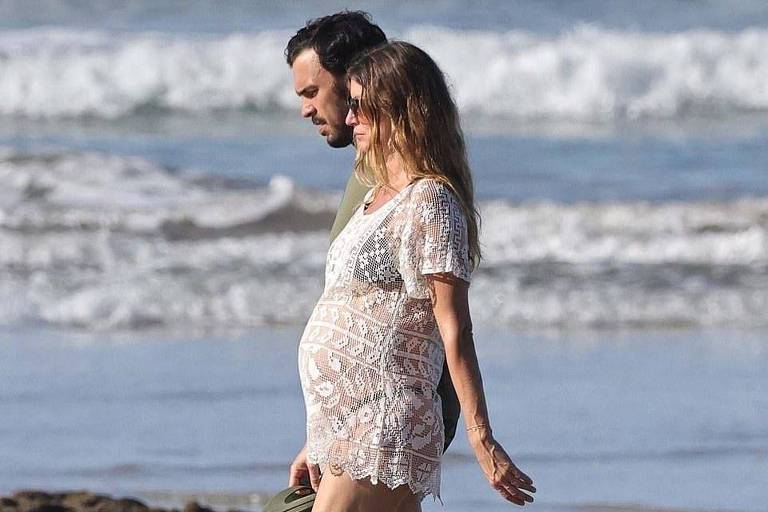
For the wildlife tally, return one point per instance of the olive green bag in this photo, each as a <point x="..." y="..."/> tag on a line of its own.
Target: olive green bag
<point x="298" y="498"/>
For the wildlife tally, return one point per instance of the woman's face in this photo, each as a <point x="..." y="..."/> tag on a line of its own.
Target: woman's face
<point x="360" y="123"/>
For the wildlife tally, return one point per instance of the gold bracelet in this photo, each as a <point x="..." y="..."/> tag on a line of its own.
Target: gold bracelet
<point x="479" y="426"/>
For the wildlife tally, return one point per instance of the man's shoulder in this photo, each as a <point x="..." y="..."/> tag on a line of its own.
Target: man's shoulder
<point x="354" y="193"/>
<point x="354" y="188"/>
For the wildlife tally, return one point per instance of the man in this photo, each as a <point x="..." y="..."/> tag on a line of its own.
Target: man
<point x="318" y="56"/>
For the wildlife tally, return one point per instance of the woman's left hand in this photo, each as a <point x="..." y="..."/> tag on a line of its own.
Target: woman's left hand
<point x="499" y="469"/>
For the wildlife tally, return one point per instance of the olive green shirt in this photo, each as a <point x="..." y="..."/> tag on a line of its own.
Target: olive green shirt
<point x="353" y="197"/>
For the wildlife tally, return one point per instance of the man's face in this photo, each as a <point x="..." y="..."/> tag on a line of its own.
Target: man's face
<point x="323" y="98"/>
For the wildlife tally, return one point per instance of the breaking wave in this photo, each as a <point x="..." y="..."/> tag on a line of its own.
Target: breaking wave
<point x="109" y="242"/>
<point x="588" y="73"/>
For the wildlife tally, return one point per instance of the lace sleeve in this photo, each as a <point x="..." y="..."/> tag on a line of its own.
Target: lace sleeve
<point x="434" y="238"/>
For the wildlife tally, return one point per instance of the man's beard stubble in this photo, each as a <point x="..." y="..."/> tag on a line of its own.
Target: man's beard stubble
<point x="340" y="138"/>
<point x="337" y="136"/>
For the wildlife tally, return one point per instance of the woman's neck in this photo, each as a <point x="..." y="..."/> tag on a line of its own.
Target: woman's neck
<point x="396" y="172"/>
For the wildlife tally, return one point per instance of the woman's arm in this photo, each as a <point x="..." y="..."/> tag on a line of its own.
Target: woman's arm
<point x="451" y="307"/>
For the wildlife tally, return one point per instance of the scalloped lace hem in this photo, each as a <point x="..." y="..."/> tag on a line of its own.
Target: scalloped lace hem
<point x="421" y="490"/>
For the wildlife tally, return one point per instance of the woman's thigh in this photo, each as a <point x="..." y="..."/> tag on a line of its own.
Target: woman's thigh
<point x="344" y="494"/>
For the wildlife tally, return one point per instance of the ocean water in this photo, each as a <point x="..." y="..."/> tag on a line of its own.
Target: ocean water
<point x="163" y="228"/>
<point x="642" y="419"/>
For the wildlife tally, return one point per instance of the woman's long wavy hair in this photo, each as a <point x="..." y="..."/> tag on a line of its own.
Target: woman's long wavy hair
<point x="404" y="88"/>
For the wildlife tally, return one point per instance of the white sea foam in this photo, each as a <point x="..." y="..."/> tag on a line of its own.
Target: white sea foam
<point x="110" y="242"/>
<point x="590" y="73"/>
<point x="587" y="73"/>
<point x="49" y="73"/>
<point x="632" y="233"/>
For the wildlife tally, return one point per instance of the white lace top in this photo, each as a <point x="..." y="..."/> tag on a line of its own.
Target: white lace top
<point x="371" y="355"/>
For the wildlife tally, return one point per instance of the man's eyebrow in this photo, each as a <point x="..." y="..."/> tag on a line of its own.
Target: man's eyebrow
<point x="305" y="90"/>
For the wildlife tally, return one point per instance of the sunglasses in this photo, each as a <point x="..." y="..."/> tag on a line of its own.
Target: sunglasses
<point x="353" y="104"/>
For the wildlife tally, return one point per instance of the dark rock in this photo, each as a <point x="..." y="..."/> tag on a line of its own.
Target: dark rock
<point x="31" y="496"/>
<point x="28" y="500"/>
<point x="194" y="506"/>
<point x="50" y="508"/>
<point x="82" y="501"/>
<point x="9" y="505"/>
<point x="122" y="505"/>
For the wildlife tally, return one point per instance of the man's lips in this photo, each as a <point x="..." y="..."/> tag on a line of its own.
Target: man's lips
<point x="321" y="125"/>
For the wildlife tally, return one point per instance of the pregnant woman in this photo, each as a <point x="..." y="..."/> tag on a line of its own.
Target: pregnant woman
<point x="395" y="307"/>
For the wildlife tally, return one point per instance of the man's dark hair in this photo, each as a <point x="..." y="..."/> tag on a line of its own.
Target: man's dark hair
<point x="337" y="39"/>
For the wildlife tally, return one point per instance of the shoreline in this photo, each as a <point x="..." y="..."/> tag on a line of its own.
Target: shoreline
<point x="36" y="500"/>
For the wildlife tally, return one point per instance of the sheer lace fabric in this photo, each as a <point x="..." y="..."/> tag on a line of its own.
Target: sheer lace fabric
<point x="371" y="356"/>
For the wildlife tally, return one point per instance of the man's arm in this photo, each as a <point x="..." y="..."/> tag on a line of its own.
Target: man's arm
<point x="353" y="196"/>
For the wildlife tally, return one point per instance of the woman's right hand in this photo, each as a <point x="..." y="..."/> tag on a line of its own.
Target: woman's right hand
<point x="499" y="469"/>
<point x="302" y="471"/>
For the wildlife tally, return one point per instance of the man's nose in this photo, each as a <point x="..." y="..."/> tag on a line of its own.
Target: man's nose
<point x="307" y="109"/>
<point x="351" y="119"/>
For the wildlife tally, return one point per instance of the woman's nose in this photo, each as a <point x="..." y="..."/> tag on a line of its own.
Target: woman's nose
<point x="351" y="119"/>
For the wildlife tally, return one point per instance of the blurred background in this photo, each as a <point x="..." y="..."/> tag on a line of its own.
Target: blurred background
<point x="163" y="228"/>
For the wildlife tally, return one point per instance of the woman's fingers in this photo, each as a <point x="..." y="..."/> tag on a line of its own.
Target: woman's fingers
<point x="512" y="492"/>
<point x="314" y="476"/>
<point x="298" y="470"/>
<point x="523" y="477"/>
<point x="514" y="497"/>
<point x="524" y="496"/>
<point x="515" y="477"/>
<point x="510" y="497"/>
<point x="520" y="480"/>
<point x="295" y="475"/>
<point x="511" y="485"/>
<point x="503" y="475"/>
